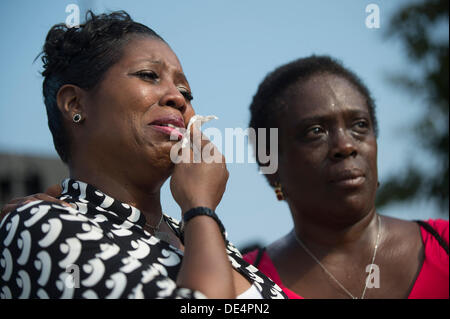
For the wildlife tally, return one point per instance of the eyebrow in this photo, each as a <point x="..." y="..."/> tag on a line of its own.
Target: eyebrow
<point x="328" y="117"/>
<point x="178" y="74"/>
<point x="151" y="61"/>
<point x="181" y="76"/>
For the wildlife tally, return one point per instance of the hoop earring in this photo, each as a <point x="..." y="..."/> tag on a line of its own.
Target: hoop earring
<point x="77" y="118"/>
<point x="279" y="191"/>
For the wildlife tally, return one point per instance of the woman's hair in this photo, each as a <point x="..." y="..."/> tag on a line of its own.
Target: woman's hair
<point x="81" y="56"/>
<point x="272" y="98"/>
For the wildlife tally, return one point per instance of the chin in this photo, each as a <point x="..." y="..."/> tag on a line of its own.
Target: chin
<point x="163" y="163"/>
<point x="353" y="209"/>
<point x="155" y="160"/>
<point x="345" y="208"/>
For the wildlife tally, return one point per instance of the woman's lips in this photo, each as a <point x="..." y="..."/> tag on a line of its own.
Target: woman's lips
<point x="171" y="131"/>
<point x="348" y="178"/>
<point x="172" y="126"/>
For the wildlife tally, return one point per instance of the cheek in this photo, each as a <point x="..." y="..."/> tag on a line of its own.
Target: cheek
<point x="143" y="96"/>
<point x="300" y="169"/>
<point x="371" y="154"/>
<point x="117" y="130"/>
<point x="188" y="113"/>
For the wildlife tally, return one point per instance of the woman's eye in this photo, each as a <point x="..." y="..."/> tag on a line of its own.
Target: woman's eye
<point x="187" y="95"/>
<point x="315" y="132"/>
<point x="361" y="125"/>
<point x="148" y="75"/>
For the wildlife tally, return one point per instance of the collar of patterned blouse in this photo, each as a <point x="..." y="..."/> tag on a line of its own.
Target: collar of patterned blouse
<point x="85" y="193"/>
<point x="128" y="215"/>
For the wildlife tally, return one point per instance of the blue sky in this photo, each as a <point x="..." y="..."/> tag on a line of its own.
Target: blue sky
<point x="226" y="48"/>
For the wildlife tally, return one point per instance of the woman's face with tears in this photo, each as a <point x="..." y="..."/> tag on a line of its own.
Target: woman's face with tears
<point x="329" y="148"/>
<point x="132" y="113"/>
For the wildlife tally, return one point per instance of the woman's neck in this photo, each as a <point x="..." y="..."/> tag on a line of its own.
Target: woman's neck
<point x="328" y="234"/>
<point x="145" y="196"/>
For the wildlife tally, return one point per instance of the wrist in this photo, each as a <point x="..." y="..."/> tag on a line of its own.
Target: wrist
<point x="195" y="205"/>
<point x="201" y="211"/>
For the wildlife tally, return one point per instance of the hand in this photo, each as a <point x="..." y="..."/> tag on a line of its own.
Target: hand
<point x="49" y="196"/>
<point x="200" y="183"/>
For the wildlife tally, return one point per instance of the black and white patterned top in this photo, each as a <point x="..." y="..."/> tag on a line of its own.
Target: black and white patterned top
<point x="97" y="250"/>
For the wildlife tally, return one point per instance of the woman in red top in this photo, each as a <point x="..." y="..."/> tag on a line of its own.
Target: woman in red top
<point x="340" y="247"/>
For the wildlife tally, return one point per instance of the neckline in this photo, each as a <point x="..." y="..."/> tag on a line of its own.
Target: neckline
<point x="104" y="203"/>
<point x="85" y="193"/>
<point x="277" y="277"/>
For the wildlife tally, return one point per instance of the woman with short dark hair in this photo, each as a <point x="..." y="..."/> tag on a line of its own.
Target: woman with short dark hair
<point x="340" y="247"/>
<point x="116" y="95"/>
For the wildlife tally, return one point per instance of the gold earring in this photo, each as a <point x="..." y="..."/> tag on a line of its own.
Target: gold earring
<point x="279" y="191"/>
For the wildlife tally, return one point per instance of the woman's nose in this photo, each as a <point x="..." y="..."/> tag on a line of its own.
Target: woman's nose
<point x="175" y="99"/>
<point x="342" y="146"/>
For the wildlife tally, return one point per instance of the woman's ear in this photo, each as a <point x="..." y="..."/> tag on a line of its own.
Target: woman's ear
<point x="69" y="100"/>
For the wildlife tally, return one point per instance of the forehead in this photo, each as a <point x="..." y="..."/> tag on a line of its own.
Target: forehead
<point x="323" y="93"/>
<point x="146" y="49"/>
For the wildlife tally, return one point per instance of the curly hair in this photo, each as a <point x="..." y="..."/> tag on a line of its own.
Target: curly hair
<point x="81" y="56"/>
<point x="271" y="99"/>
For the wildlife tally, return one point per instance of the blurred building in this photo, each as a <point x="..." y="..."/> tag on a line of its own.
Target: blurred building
<point x="26" y="174"/>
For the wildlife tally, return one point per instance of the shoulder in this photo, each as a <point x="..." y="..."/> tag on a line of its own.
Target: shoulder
<point x="419" y="234"/>
<point x="400" y="230"/>
<point x="441" y="226"/>
<point x="42" y="225"/>
<point x="40" y="218"/>
<point x="397" y="223"/>
<point x="401" y="237"/>
<point x="38" y="241"/>
<point x="32" y="215"/>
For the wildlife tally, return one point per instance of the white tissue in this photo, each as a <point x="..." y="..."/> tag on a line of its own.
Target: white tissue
<point x="203" y="119"/>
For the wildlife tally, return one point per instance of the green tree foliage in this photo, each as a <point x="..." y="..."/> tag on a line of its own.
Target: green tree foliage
<point x="415" y="25"/>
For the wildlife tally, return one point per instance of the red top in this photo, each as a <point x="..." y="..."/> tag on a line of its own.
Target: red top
<point x="431" y="283"/>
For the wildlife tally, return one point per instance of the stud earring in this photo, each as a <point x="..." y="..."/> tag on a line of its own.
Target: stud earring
<point x="279" y="191"/>
<point x="77" y="118"/>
